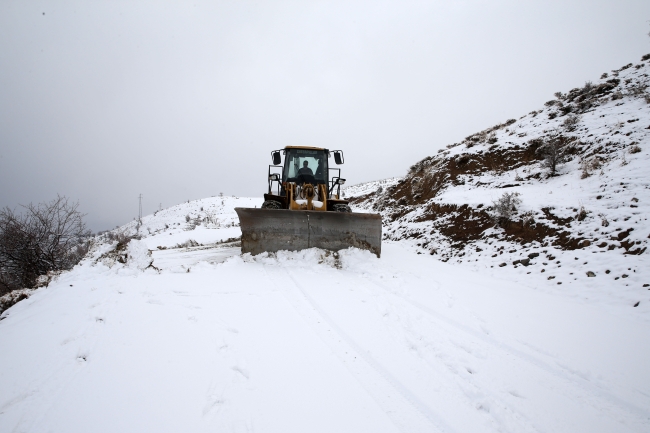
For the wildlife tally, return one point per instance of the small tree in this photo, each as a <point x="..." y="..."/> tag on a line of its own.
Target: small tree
<point x="46" y="237"/>
<point x="505" y="207"/>
<point x="554" y="152"/>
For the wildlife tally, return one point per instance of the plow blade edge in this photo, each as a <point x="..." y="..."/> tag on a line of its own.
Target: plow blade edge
<point x="273" y="230"/>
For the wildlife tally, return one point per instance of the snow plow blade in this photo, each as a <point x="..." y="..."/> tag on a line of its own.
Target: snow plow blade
<point x="270" y="230"/>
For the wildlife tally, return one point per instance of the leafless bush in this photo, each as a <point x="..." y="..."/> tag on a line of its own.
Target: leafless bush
<point x="588" y="165"/>
<point x="188" y="244"/>
<point x="50" y="236"/>
<point x="528" y="218"/>
<point x="193" y="223"/>
<point x="571" y="122"/>
<point x="635" y="149"/>
<point x="582" y="214"/>
<point x="603" y="220"/>
<point x="637" y="89"/>
<point x="211" y="217"/>
<point x="123" y="237"/>
<point x="505" y="207"/>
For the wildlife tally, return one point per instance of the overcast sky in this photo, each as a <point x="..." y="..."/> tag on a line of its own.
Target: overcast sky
<point x="103" y="100"/>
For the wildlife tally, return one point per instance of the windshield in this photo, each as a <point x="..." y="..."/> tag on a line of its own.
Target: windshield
<point x="306" y="162"/>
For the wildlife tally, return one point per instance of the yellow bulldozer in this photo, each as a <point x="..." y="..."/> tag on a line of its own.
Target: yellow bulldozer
<point x="306" y="209"/>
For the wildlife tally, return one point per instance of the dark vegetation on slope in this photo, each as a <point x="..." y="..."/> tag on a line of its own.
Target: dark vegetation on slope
<point x="42" y="239"/>
<point x="411" y="199"/>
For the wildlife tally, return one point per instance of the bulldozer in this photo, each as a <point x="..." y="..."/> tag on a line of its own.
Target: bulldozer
<point x="304" y="208"/>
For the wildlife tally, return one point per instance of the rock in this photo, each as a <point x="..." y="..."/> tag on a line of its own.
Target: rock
<point x="637" y="304"/>
<point x="516" y="262"/>
<point x="533" y="255"/>
<point x="525" y="262"/>
<point x="502" y="265"/>
<point x="646" y="285"/>
<point x="590" y="274"/>
<point x="624" y="276"/>
<point x="551" y="277"/>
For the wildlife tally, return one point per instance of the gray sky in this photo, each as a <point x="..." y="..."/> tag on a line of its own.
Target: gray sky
<point x="103" y="100"/>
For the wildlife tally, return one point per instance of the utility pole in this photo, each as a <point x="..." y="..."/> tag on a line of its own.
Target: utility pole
<point x="139" y="212"/>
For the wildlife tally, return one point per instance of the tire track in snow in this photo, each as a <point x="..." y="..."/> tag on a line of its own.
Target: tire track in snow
<point x="610" y="401"/>
<point x="407" y="412"/>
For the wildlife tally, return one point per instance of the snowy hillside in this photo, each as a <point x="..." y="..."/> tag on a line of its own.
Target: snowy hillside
<point x="369" y="187"/>
<point x="200" y="338"/>
<point x="467" y="322"/>
<point x="203" y="221"/>
<point x="585" y="226"/>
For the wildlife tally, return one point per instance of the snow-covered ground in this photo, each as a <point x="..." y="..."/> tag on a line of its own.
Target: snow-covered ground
<point x="311" y="341"/>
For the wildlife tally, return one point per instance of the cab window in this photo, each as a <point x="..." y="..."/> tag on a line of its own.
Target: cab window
<point x="295" y="159"/>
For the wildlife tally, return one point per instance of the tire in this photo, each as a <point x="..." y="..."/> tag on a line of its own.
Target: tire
<point x="342" y="208"/>
<point x="271" y="204"/>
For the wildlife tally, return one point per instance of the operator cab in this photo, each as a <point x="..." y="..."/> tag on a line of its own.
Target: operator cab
<point x="314" y="171"/>
<point x="305" y="165"/>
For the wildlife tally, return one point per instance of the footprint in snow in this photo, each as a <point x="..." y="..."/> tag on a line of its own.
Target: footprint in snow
<point x="241" y="371"/>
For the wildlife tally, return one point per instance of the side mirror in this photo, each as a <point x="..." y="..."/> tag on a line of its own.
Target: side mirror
<point x="274" y="177"/>
<point x="340" y="181"/>
<point x="338" y="157"/>
<point x="276" y="157"/>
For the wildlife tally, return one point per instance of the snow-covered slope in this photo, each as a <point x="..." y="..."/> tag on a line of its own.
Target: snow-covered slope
<point x="585" y="227"/>
<point x="204" y="221"/>
<point x="314" y="341"/>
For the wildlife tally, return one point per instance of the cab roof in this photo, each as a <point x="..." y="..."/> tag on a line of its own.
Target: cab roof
<point x="304" y="147"/>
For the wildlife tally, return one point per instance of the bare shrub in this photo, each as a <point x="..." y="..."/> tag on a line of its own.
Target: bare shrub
<point x="635" y="149"/>
<point x="505" y="207"/>
<point x="587" y="165"/>
<point x="582" y="214"/>
<point x="528" y="218"/>
<point x="188" y="244"/>
<point x="603" y="220"/>
<point x="121" y="236"/>
<point x="637" y="89"/>
<point x="571" y="122"/>
<point x="50" y="236"/>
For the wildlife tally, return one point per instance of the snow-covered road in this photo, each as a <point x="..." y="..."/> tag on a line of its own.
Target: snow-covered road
<point x="313" y="342"/>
